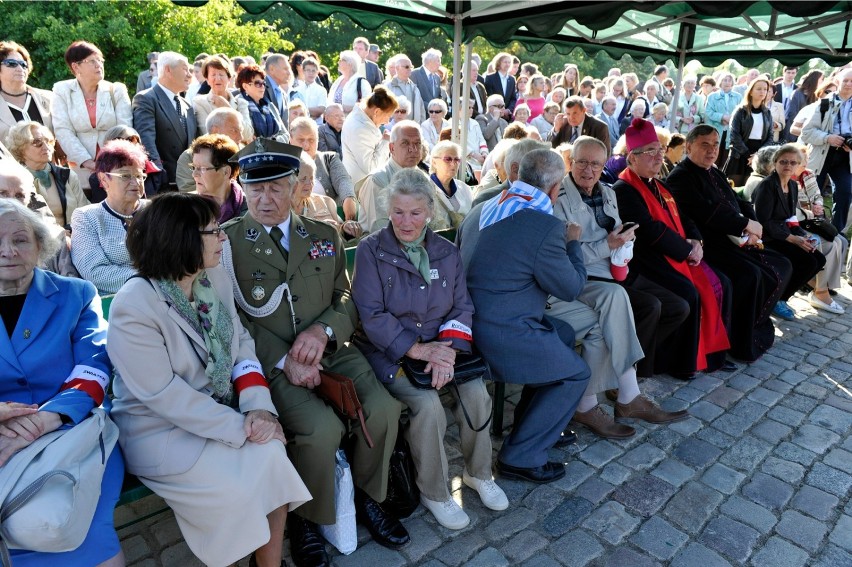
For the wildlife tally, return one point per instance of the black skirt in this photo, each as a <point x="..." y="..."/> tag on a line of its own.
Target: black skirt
<point x="738" y="165"/>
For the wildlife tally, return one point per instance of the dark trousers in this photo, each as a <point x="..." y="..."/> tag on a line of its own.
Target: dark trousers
<point x="837" y="166"/>
<point x="805" y="265"/>
<point x="722" y="159"/>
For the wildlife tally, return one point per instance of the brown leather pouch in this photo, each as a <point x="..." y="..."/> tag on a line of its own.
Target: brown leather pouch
<point x="339" y="391"/>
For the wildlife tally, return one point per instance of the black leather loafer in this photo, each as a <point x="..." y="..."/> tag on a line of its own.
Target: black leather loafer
<point x="548" y="472"/>
<point x="568" y="437"/>
<point x="307" y="547"/>
<point x="385" y="529"/>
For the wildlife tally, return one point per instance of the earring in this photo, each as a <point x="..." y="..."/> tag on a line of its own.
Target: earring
<point x="428" y="220"/>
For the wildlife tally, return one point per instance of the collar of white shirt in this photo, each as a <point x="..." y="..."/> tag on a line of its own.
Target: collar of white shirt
<point x="285" y="228"/>
<point x="169" y="93"/>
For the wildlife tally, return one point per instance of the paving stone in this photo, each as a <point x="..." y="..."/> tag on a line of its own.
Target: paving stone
<point x="842" y="533"/>
<point x="833" y="556"/>
<point x="792" y="377"/>
<point x="706" y="411"/>
<point x="642" y="457"/>
<point x="768" y="491"/>
<point x="674" y="404"/>
<point x="615" y="473"/>
<point x="723" y="396"/>
<point x="179" y="554"/>
<point x="566" y="516"/>
<point x="779" y="553"/>
<point x="771" y="431"/>
<point x="544" y="498"/>
<point x="623" y="556"/>
<point x="765" y="397"/>
<point x="830" y="480"/>
<point x="722" y="478"/>
<point x="166" y="531"/>
<point x="786" y="415"/>
<point x="799" y="402"/>
<point x="731" y="538"/>
<point x="743" y="382"/>
<point x="488" y="557"/>
<point x="594" y="490"/>
<point x="689" y="394"/>
<point x="452" y="553"/>
<point x="509" y="523"/>
<point x="674" y="472"/>
<point x="540" y="560"/>
<point x="746" y="453"/>
<point x="135" y="548"/>
<point x="757" y="372"/>
<point x="644" y="495"/>
<point x="777" y="386"/>
<point x="734" y="424"/>
<point x="686" y="427"/>
<point x="844" y="403"/>
<point x="716" y="437"/>
<point x="811" y="391"/>
<point x="575" y="473"/>
<point x="795" y="453"/>
<point x="815" y="502"/>
<point x="424" y="538"/>
<point x="664" y="438"/>
<point x="750" y="513"/>
<point x="832" y="418"/>
<point x="600" y="453"/>
<point x="697" y="554"/>
<point x="696" y="453"/>
<point x="577" y="548"/>
<point x="784" y="470"/>
<point x="706" y="383"/>
<point x="692" y="506"/>
<point x="799" y="529"/>
<point x="611" y="522"/>
<point x="659" y="538"/>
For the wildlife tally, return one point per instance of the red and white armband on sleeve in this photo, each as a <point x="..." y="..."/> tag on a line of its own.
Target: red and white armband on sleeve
<point x="246" y="374"/>
<point x="88" y="379"/>
<point x="453" y="329"/>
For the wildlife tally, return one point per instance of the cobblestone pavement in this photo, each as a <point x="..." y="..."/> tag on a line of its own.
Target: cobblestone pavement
<point x="759" y="474"/>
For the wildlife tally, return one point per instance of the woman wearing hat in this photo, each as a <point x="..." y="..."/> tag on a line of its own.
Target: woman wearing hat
<point x="669" y="251"/>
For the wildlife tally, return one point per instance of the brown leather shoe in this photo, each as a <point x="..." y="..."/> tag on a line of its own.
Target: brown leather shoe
<point x="601" y="423"/>
<point x="647" y="410"/>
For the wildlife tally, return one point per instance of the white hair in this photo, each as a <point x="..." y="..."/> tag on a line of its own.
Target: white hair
<point x="169" y="59"/>
<point x="431" y="54"/>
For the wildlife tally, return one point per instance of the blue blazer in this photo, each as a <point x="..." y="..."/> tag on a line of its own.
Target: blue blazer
<point x="56" y="356"/>
<point x="514" y="266"/>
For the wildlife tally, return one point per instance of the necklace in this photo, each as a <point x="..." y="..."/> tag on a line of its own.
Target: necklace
<point x="13" y="95"/>
<point x="91" y="102"/>
<point x="116" y="213"/>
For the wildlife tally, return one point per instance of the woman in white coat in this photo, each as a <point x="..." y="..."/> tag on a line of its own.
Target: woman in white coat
<point x="197" y="423"/>
<point x="85" y="107"/>
<point x="365" y="144"/>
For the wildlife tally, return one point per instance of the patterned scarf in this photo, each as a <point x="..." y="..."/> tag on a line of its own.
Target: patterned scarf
<point x="417" y="255"/>
<point x="516" y="198"/>
<point x="211" y="321"/>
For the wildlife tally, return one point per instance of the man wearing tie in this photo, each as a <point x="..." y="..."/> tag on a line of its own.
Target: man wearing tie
<point x="164" y="119"/>
<point x="574" y="122"/>
<point x="426" y="76"/>
<point x="607" y="115"/>
<point x="501" y="82"/>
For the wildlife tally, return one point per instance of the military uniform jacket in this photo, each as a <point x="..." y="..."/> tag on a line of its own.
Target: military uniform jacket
<point x="278" y="298"/>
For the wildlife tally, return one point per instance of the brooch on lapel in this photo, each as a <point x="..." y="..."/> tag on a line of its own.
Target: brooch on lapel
<point x="321" y="248"/>
<point x="252" y="234"/>
<point x="301" y="231"/>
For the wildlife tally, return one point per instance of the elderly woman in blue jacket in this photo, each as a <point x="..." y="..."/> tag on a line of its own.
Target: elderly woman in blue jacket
<point x="410" y="290"/>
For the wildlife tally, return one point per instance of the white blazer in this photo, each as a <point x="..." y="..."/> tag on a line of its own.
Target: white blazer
<point x="43" y="101"/>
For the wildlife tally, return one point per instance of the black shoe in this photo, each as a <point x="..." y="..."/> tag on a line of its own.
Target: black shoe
<point x="548" y="472"/>
<point x="385" y="529"/>
<point x="253" y="562"/>
<point x="567" y="437"/>
<point x="307" y="547"/>
<point x="832" y="292"/>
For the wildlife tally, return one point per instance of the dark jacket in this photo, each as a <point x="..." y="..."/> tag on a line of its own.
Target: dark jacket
<point x="397" y="308"/>
<point x="494" y="86"/>
<point x="591" y="127"/>
<point x="741" y="124"/>
<point x="329" y="140"/>
<point x="773" y="207"/>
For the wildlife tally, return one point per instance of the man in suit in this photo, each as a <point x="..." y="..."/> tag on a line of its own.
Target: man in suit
<point x="784" y="89"/>
<point x="290" y="283"/>
<point x="279" y="80"/>
<point x="426" y="77"/>
<point x="574" y="122"/>
<point x="510" y="298"/>
<point x="607" y="116"/>
<point x="402" y="85"/>
<point x="147" y="78"/>
<point x="491" y="122"/>
<point x="329" y="132"/>
<point x="501" y="82"/>
<point x="478" y="94"/>
<point x="367" y="68"/>
<point x="164" y="119"/>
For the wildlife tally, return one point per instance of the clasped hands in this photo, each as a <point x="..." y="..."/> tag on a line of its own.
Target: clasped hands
<point x="441" y="360"/>
<point x="21" y="424"/>
<point x="302" y="365"/>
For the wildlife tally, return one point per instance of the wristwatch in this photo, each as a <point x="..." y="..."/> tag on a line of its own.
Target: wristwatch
<point x="329" y="332"/>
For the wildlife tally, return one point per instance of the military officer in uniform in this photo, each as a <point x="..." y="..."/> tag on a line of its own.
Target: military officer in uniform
<point x="290" y="284"/>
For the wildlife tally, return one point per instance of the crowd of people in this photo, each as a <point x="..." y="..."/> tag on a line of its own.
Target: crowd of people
<point x="216" y="206"/>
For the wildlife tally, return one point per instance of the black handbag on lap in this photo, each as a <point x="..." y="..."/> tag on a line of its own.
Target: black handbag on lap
<point x="821" y="227"/>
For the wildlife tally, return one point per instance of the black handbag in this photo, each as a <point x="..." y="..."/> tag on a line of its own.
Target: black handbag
<point x="821" y="227"/>
<point x="403" y="495"/>
<point x="469" y="366"/>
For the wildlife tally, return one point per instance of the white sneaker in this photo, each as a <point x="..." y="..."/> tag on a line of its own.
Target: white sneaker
<point x="832" y="307"/>
<point x="449" y="514"/>
<point x="492" y="496"/>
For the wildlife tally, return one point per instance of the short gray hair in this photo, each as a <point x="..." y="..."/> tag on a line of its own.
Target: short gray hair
<point x="431" y="55"/>
<point x="169" y="59"/>
<point x="516" y="153"/>
<point x="584" y="141"/>
<point x="397" y="129"/>
<point x="442" y="148"/>
<point x="219" y="116"/>
<point x="439" y="102"/>
<point x="541" y="168"/>
<point x="403" y="103"/>
<point x="306" y="161"/>
<point x="304" y="123"/>
<point x="411" y="181"/>
<point x="351" y="58"/>
<point x="763" y="161"/>
<point x="493" y="99"/>
<point x="333" y="106"/>
<point x="21" y="135"/>
<point x="47" y="243"/>
<point x="275" y="59"/>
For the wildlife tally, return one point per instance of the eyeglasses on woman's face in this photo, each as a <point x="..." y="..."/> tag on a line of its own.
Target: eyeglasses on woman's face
<point x="213" y="231"/>
<point x="450" y="159"/>
<point x="14" y="63"/>
<point x="258" y="84"/>
<point x="435" y="111"/>
<point x="201" y="170"/>
<point x="128" y="177"/>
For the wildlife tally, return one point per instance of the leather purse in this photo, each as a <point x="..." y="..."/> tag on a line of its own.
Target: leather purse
<point x="469" y="366"/>
<point x="339" y="391"/>
<point x="403" y="495"/>
<point x="821" y="227"/>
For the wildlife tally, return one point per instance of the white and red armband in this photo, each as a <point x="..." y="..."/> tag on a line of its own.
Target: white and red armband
<point x="453" y="329"/>
<point x="88" y="379"/>
<point x="246" y="374"/>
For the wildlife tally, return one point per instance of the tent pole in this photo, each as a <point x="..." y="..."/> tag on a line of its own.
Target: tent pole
<point x="464" y="115"/>
<point x="454" y="96"/>
<point x="679" y="80"/>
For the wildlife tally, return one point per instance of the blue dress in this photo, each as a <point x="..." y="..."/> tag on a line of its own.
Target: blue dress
<point x="56" y="357"/>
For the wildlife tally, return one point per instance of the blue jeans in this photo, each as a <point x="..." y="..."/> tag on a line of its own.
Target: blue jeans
<point x="837" y="166"/>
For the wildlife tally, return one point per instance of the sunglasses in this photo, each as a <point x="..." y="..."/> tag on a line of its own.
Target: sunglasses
<point x="786" y="162"/>
<point x="40" y="142"/>
<point x="258" y="84"/>
<point x="436" y="112"/>
<point x="498" y="106"/>
<point x="14" y="63"/>
<point x="450" y="159"/>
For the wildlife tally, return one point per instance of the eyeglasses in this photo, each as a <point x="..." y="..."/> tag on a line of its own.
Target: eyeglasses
<point x="128" y="177"/>
<point x="214" y="231"/>
<point x="497" y="106"/>
<point x="97" y="62"/>
<point x="584" y="163"/>
<point x="13" y="63"/>
<point x="400" y="111"/>
<point x="653" y="153"/>
<point x="450" y="159"/>
<point x="405" y="66"/>
<point x="258" y="84"/>
<point x="436" y="111"/>
<point x="40" y="142"/>
<point x="787" y="162"/>
<point x="201" y="170"/>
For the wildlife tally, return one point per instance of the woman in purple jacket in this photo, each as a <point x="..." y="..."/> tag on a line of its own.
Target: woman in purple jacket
<point x="411" y="294"/>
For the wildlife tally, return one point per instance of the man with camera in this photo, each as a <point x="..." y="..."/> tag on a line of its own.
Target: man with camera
<point x="829" y="134"/>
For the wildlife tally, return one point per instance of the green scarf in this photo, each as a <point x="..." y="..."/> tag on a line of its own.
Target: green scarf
<point x="211" y="320"/>
<point x="43" y="176"/>
<point x="417" y="255"/>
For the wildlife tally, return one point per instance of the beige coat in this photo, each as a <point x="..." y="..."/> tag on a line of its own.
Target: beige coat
<point x="43" y="101"/>
<point x="163" y="405"/>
